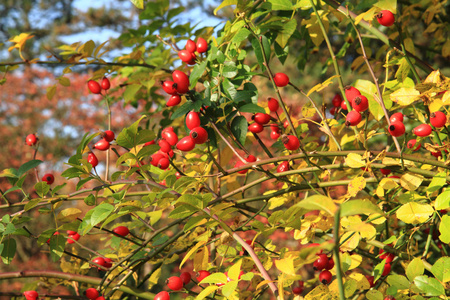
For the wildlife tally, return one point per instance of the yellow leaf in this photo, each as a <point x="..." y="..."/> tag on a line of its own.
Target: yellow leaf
<point x="434" y="77"/>
<point x="355" y="186"/>
<point x="405" y="96"/>
<point x="275" y="202"/>
<point x="314" y="28"/>
<point x="387" y="184"/>
<point x="201" y="259"/>
<point x="69" y="214"/>
<point x="319" y="292"/>
<point x="435" y="105"/>
<point x="376" y="219"/>
<point x="356" y="261"/>
<point x="351" y="239"/>
<point x="308" y="110"/>
<point x="321" y="86"/>
<point x="354" y="160"/>
<point x="446" y="98"/>
<point x="19" y="41"/>
<point x="206" y="292"/>
<point x="411" y="181"/>
<point x="414" y="213"/>
<point x="286" y="265"/>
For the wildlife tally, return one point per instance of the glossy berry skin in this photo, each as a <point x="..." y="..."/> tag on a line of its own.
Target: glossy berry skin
<point x="94" y="87"/>
<point x="255" y="128"/>
<point x="185" y="56"/>
<point x="240" y="164"/>
<point x="261" y="118"/>
<point x="192" y="120"/>
<point x="199" y="135"/>
<point x="100" y="298"/>
<point x="162" y="296"/>
<point x="360" y="103"/>
<point x="396" y="128"/>
<point x="337" y="100"/>
<point x="102" y="145"/>
<point x="190" y="46"/>
<point x="274" y="135"/>
<point x="92" y="159"/>
<point x="291" y="142"/>
<point x="163" y="163"/>
<point x="385" y="171"/>
<point x="31" y="295"/>
<point x="105" y="84"/>
<point x="389" y="298"/>
<point x="386" y="18"/>
<point x="169" y="87"/>
<point x="170" y="136"/>
<point x="202" y="274"/>
<point x="174" y="283"/>
<point x="353" y="118"/>
<point x="251" y="158"/>
<point x="108" y="135"/>
<point x="121" y="230"/>
<point x="412" y="145"/>
<point x="91" y="293"/>
<point x="283" y="167"/>
<point x="154" y="159"/>
<point x="351" y="92"/>
<point x="181" y="80"/>
<point x="422" y="130"/>
<point x="173" y="100"/>
<point x="386" y="269"/>
<point x="99" y="261"/>
<point x="273" y="104"/>
<point x="185" y="277"/>
<point x="164" y="145"/>
<point x="186" y="144"/>
<point x="31" y="139"/>
<point x="344" y="105"/>
<point x="49" y="178"/>
<point x="108" y="262"/>
<point x="325" y="277"/>
<point x="370" y="280"/>
<point x="333" y="110"/>
<point x="297" y="290"/>
<point x="330" y="264"/>
<point x="321" y="262"/>
<point x="281" y="79"/>
<point x="397" y="117"/>
<point x="73" y="237"/>
<point x="438" y="119"/>
<point x="202" y="45"/>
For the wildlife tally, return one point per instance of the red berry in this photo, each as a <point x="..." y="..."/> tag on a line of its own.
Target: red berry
<point x="92" y="159"/>
<point x="162" y="296"/>
<point x="390" y="257"/>
<point x="321" y="262"/>
<point x="149" y="143"/>
<point x="437" y="154"/>
<point x="105" y="84"/>
<point x="370" y="280"/>
<point x="165" y="146"/>
<point x="281" y="79"/>
<point x="255" y="128"/>
<point x="73" y="237"/>
<point x="121" y="230"/>
<point x="438" y="119"/>
<point x="273" y="104"/>
<point x="31" y="295"/>
<point x="389" y="298"/>
<point x="192" y="120"/>
<point x="173" y="100"/>
<point x="422" y="130"/>
<point x="31" y="139"/>
<point x="181" y="80"/>
<point x="94" y="87"/>
<point x="398" y="116"/>
<point x="261" y="118"/>
<point x="344" y="105"/>
<point x="291" y="142"/>
<point x="163" y="163"/>
<point x="186" y="144"/>
<point x="386" y="18"/>
<point x="330" y="264"/>
<point x="360" y="103"/>
<point x="325" y="277"/>
<point x="155" y="158"/>
<point x="99" y="261"/>
<point x="240" y="164"/>
<point x="174" y="283"/>
<point x="251" y="158"/>
<point x="396" y="128"/>
<point x="169" y="87"/>
<point x="92" y="293"/>
<point x="190" y="46"/>
<point x="286" y="123"/>
<point x="100" y="298"/>
<point x="185" y="277"/>
<point x="353" y="118"/>
<point x="386" y="269"/>
<point x="333" y="110"/>
<point x="351" y="92"/>
<point x="412" y="145"/>
<point x="385" y="171"/>
<point x="199" y="135"/>
<point x="108" y="262"/>
<point x="297" y="290"/>
<point x="170" y="136"/>
<point x="102" y="145"/>
<point x="49" y="178"/>
<point x="108" y="135"/>
<point x="283" y="167"/>
<point x="274" y="135"/>
<point x="337" y="100"/>
<point x="185" y="56"/>
<point x="202" y="274"/>
<point x="202" y="45"/>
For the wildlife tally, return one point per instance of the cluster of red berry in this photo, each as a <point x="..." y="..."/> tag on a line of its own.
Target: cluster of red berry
<point x="176" y="283"/>
<point x="93" y="294"/>
<point x="96" y="88"/>
<point x="324" y="264"/>
<point x="176" y="87"/>
<point x="188" y="55"/>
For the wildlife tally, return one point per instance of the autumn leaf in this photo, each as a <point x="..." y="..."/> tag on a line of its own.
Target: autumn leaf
<point x="19" y="42"/>
<point x="405" y="96"/>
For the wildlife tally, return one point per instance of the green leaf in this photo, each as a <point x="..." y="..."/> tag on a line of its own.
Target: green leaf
<point x="89" y="200"/>
<point x="442" y="201"/>
<point x="28" y="166"/>
<point x="215" y="278"/>
<point x="8" y="250"/>
<point x="281" y="4"/>
<point x="229" y="288"/>
<point x="10" y="229"/>
<point x="229" y="69"/>
<point x="251" y="108"/>
<point x="430" y="286"/>
<point x="258" y="53"/>
<point x="438" y="181"/>
<point x="138" y="3"/>
<point x="191" y="200"/>
<point x="42" y="188"/>
<point x="10" y="173"/>
<point x="415" y="268"/>
<point x="356" y="207"/>
<point x="182" y="211"/>
<point x="444" y="229"/>
<point x="239" y="128"/>
<point x="281" y="53"/>
<point x="319" y="202"/>
<point x="241" y="35"/>
<point x="374" y="295"/>
<point x="101" y="212"/>
<point x="350" y="287"/>
<point x="57" y="243"/>
<point x="287" y="30"/>
<point x="399" y="281"/>
<point x="185" y="108"/>
<point x="441" y="269"/>
<point x="197" y="73"/>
